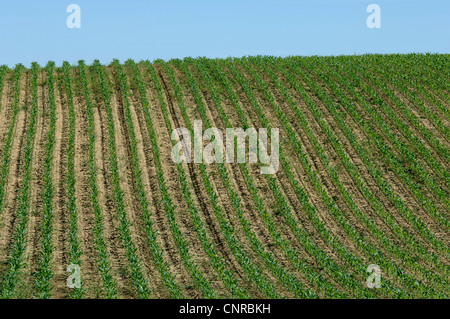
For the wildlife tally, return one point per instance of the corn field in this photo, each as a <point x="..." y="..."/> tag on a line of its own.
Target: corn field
<point x="87" y="179"/>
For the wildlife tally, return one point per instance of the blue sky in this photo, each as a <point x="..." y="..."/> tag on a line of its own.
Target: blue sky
<point x="35" y="30"/>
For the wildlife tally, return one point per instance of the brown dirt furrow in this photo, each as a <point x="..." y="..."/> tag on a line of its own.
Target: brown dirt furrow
<point x="90" y="275"/>
<point x="287" y="190"/>
<point x="37" y="182"/>
<point x="5" y="96"/>
<point x="239" y="185"/>
<point x="13" y="184"/>
<point x="59" y="172"/>
<point x="116" y="250"/>
<point x="128" y="185"/>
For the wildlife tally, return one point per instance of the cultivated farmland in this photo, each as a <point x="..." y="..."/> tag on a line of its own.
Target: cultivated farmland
<point x="87" y="179"/>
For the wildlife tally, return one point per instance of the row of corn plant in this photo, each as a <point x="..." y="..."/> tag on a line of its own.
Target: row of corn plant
<point x="252" y="270"/>
<point x="45" y="273"/>
<point x="19" y="239"/>
<point x="431" y="68"/>
<point x="405" y="128"/>
<point x="379" y="78"/>
<point x="4" y="171"/>
<point x="139" y="281"/>
<point x="333" y="269"/>
<point x="284" y="275"/>
<point x="75" y="250"/>
<point x="300" y="117"/>
<point x="375" y="173"/>
<point x="355" y="263"/>
<point x="397" y="166"/>
<point x="399" y="169"/>
<point x="371" y="226"/>
<point x="292" y="254"/>
<point x="182" y="244"/>
<point x="104" y="265"/>
<point x="217" y="261"/>
<point x="316" y="280"/>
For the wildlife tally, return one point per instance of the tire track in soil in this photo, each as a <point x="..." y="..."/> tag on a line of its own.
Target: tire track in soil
<point x="201" y="197"/>
<point x="150" y="181"/>
<point x="90" y="274"/>
<point x="61" y="213"/>
<point x="15" y="171"/>
<point x="5" y="122"/>
<point x="128" y="184"/>
<point x="167" y="242"/>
